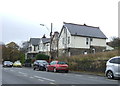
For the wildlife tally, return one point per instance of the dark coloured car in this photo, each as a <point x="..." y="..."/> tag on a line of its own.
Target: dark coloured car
<point x="7" y="64"/>
<point x="27" y="64"/>
<point x="57" y="66"/>
<point x="40" y="65"/>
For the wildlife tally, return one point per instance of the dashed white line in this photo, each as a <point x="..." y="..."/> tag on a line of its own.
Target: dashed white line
<point x="45" y="78"/>
<point x="52" y="83"/>
<point x="11" y="70"/>
<point x="22" y="73"/>
<point x="31" y="77"/>
<point x="78" y="75"/>
<point x="40" y="80"/>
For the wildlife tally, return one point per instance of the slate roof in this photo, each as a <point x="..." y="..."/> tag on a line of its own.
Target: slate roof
<point x="34" y="41"/>
<point x="45" y="40"/>
<point x="84" y="30"/>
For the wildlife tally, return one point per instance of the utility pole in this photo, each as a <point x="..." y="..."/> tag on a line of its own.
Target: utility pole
<point x="51" y="41"/>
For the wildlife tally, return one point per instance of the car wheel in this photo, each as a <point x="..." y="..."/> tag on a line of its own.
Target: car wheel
<point x="47" y="70"/>
<point x="34" y="68"/>
<point x="54" y="70"/>
<point x="66" y="71"/>
<point x="110" y="75"/>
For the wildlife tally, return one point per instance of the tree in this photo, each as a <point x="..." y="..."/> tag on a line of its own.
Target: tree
<point x="115" y="42"/>
<point x="11" y="52"/>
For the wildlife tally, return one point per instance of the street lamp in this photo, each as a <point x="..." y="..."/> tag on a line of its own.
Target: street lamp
<point x="50" y="35"/>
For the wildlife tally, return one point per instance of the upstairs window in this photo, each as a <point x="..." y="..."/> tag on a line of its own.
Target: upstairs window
<point x="64" y="30"/>
<point x="91" y="39"/>
<point x="63" y="40"/>
<point x="87" y="39"/>
<point x="68" y="40"/>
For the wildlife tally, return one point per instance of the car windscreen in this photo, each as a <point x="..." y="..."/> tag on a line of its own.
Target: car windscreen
<point x="44" y="62"/>
<point x="61" y="63"/>
<point x="7" y="62"/>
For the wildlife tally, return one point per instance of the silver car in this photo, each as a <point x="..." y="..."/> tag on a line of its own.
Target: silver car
<point x="113" y="67"/>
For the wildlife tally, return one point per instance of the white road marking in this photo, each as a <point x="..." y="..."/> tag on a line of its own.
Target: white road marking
<point x="45" y="78"/>
<point x="31" y="77"/>
<point x="11" y="70"/>
<point x="22" y="73"/>
<point x="78" y="75"/>
<point x="52" y="83"/>
<point x="25" y="75"/>
<point x="65" y="74"/>
<point x="40" y="80"/>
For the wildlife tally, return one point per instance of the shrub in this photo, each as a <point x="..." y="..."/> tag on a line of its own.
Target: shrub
<point x="42" y="57"/>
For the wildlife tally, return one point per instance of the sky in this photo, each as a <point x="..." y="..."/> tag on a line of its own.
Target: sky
<point x="20" y="19"/>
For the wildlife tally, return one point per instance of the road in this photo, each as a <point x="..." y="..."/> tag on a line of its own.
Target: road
<point x="29" y="76"/>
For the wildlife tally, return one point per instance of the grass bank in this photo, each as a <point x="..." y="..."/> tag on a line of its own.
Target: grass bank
<point x="95" y="63"/>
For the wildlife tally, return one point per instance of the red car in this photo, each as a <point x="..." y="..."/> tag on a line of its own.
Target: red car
<point x="57" y="66"/>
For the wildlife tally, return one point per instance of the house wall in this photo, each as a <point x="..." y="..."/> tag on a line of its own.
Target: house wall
<point x="98" y="42"/>
<point x="65" y="35"/>
<point x="79" y="42"/>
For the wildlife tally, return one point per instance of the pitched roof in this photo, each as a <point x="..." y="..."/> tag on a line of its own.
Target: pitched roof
<point x="34" y="41"/>
<point x="84" y="30"/>
<point x="45" y="40"/>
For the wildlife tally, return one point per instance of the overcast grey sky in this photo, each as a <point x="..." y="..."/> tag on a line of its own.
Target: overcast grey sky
<point x="20" y="19"/>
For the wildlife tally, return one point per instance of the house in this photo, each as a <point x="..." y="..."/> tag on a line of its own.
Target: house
<point x="44" y="46"/>
<point x="75" y="39"/>
<point x="38" y="45"/>
<point x="33" y="47"/>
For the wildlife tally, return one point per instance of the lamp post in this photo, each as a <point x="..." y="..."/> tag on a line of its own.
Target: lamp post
<point x="50" y="36"/>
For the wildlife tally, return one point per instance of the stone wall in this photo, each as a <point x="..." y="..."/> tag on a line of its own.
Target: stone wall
<point x="78" y="51"/>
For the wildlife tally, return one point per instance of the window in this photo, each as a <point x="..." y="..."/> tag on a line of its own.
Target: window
<point x="68" y="40"/>
<point x="52" y="63"/>
<point x="63" y="40"/>
<point x="115" y="60"/>
<point x="61" y="63"/>
<point x="91" y="39"/>
<point x="64" y="30"/>
<point x="87" y="39"/>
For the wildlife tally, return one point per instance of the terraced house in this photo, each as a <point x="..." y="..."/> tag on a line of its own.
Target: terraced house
<point x="75" y="39"/>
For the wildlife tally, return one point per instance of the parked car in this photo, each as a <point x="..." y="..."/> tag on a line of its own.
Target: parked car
<point x="27" y="64"/>
<point x="40" y="65"/>
<point x="7" y="64"/>
<point x="113" y="67"/>
<point x="57" y="66"/>
<point x="17" y="64"/>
